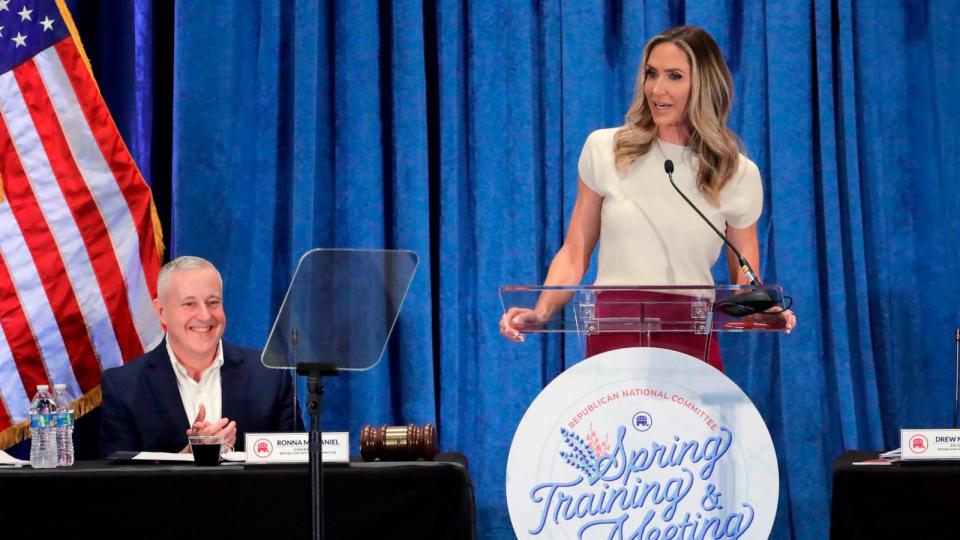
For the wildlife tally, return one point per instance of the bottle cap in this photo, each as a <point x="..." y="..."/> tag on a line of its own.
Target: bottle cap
<point x="60" y="386"/>
<point x="42" y="387"/>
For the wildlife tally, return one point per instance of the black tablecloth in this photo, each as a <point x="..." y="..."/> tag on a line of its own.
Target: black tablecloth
<point x="893" y="501"/>
<point x="361" y="500"/>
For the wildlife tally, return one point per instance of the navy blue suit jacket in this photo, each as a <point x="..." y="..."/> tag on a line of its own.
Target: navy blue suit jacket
<point x="142" y="409"/>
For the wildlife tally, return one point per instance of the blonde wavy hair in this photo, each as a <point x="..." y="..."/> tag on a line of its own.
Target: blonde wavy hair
<point x="711" y="94"/>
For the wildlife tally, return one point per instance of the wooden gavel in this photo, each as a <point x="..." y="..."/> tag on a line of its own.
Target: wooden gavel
<point x="398" y="443"/>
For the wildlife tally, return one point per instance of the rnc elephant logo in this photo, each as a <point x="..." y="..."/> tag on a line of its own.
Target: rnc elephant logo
<point x="919" y="444"/>
<point x="262" y="448"/>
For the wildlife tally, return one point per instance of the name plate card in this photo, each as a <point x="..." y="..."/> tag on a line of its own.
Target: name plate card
<point x="295" y="447"/>
<point x="927" y="444"/>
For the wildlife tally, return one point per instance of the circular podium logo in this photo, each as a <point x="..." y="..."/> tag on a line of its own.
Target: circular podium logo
<point x="642" y="443"/>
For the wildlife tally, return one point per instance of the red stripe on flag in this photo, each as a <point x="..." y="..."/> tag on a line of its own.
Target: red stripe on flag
<point x="46" y="257"/>
<point x="5" y="420"/>
<point x="93" y="230"/>
<point x="20" y="339"/>
<point x="134" y="188"/>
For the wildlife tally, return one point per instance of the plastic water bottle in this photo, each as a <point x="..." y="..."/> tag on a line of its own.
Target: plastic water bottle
<point x="43" y="448"/>
<point x="63" y="419"/>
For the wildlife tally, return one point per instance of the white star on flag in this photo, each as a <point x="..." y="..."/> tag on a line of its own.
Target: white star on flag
<point x="3" y="5"/>
<point x="20" y="40"/>
<point x="46" y="23"/>
<point x="25" y="14"/>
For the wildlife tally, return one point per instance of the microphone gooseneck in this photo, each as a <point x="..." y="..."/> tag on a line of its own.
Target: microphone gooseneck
<point x="741" y="304"/>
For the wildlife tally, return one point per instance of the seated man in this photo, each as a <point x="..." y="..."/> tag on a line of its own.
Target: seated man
<point x="193" y="382"/>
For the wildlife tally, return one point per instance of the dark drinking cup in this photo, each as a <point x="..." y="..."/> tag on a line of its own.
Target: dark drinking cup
<point x="206" y="449"/>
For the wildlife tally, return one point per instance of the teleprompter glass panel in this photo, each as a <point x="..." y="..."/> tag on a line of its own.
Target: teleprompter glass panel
<point x="340" y="308"/>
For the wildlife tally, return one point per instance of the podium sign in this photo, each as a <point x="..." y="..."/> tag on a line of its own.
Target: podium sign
<point x="642" y="443"/>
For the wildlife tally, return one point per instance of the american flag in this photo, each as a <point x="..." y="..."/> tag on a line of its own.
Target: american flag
<point x="79" y="242"/>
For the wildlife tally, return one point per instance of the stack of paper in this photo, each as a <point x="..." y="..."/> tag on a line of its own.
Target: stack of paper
<point x="886" y="458"/>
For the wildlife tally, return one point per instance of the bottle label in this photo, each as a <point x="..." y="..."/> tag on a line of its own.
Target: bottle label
<point x="64" y="418"/>
<point x="39" y="420"/>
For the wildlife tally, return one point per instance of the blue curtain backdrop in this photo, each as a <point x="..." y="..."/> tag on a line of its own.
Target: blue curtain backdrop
<point x="453" y="129"/>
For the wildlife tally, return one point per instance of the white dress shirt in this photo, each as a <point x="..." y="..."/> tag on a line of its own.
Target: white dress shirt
<point x="207" y="391"/>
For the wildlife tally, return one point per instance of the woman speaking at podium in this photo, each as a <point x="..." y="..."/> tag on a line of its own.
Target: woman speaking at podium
<point x="648" y="234"/>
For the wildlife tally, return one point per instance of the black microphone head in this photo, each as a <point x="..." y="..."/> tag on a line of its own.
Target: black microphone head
<point x="668" y="166"/>
<point x="740" y="305"/>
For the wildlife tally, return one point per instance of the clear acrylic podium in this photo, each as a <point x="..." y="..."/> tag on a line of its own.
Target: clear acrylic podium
<point x="648" y="315"/>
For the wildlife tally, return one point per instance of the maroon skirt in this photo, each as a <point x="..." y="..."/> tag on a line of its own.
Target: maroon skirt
<point x="651" y="306"/>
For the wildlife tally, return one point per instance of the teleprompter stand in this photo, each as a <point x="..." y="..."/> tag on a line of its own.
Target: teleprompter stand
<point x="337" y="316"/>
<point x="315" y="372"/>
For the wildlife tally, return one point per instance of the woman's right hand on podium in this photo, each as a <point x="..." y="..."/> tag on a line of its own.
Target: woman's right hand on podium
<point x="514" y="320"/>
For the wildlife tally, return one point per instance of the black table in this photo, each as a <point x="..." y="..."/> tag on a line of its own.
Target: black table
<point x="361" y="500"/>
<point x="893" y="501"/>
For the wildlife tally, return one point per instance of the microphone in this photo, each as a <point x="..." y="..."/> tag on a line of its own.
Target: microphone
<point x="738" y="305"/>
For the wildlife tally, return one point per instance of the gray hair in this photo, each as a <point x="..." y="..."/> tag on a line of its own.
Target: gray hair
<point x="182" y="264"/>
